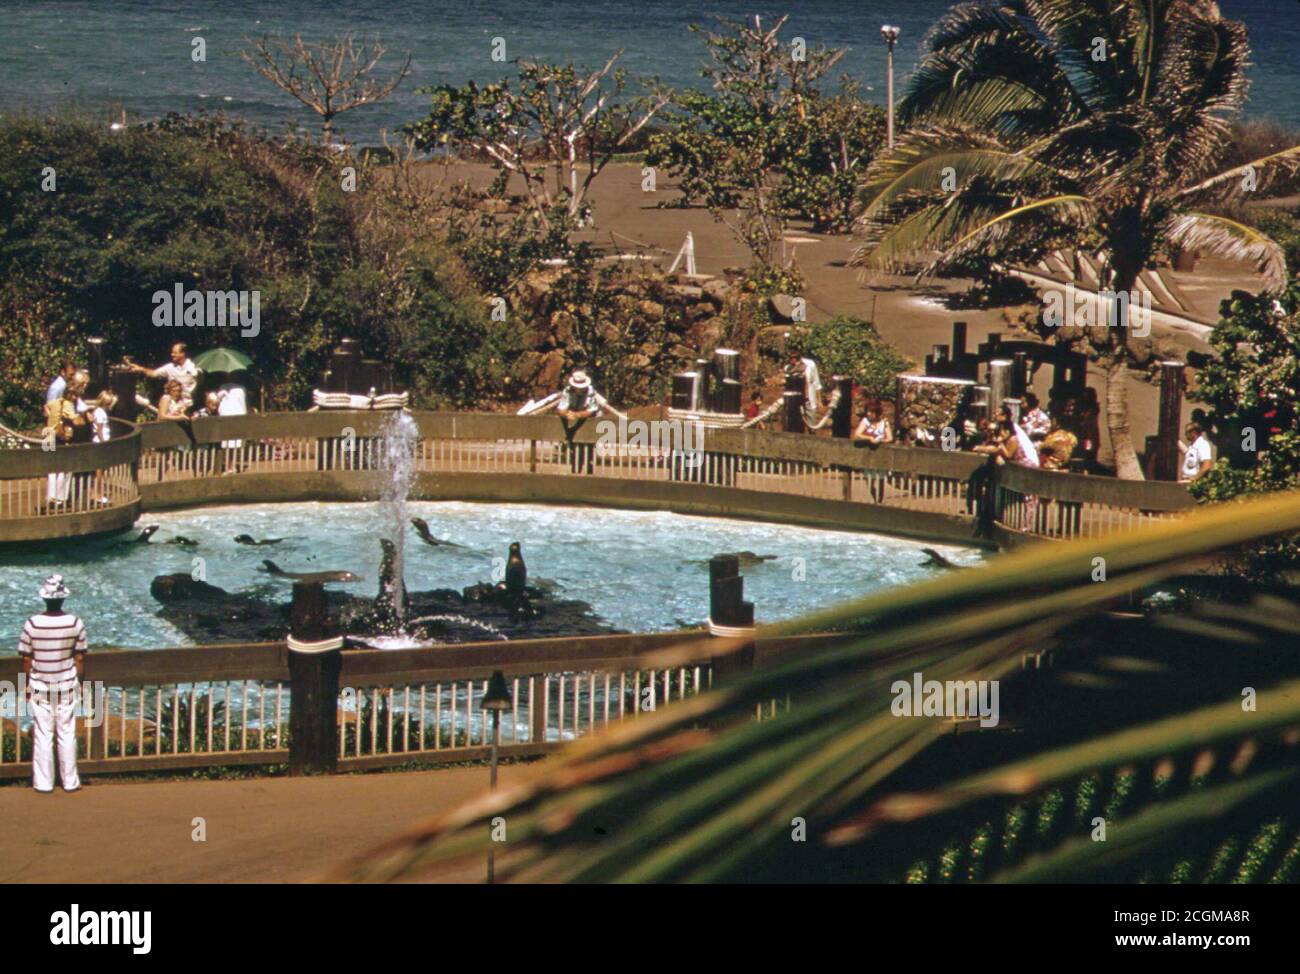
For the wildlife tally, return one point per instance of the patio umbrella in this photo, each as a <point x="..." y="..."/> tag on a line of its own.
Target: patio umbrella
<point x="222" y="360"/>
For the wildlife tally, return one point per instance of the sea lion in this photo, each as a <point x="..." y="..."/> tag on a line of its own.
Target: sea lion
<point x="336" y="576"/>
<point x="145" y="535"/>
<point x="936" y="560"/>
<point x="422" y="529"/>
<point x="516" y="572"/>
<point x="249" y="539"/>
<point x="180" y="539"/>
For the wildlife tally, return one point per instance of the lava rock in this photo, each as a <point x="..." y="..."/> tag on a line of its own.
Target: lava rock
<point x="183" y="587"/>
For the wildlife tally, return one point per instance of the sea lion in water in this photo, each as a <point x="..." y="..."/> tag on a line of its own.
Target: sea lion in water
<point x="249" y="539"/>
<point x="338" y="576"/>
<point x="516" y="572"/>
<point x="516" y="586"/>
<point x="145" y="535"/>
<point x="180" y="539"/>
<point x="937" y="560"/>
<point x="422" y="529"/>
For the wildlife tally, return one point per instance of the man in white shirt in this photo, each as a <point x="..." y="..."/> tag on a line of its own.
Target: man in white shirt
<point x="53" y="650"/>
<point x="181" y="368"/>
<point x="812" y="385"/>
<point x="1197" y="457"/>
<point x="66" y="371"/>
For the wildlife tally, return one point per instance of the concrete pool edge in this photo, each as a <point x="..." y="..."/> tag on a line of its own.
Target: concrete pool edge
<point x="561" y="490"/>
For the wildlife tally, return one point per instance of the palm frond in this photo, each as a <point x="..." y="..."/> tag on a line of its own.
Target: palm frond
<point x="917" y="167"/>
<point x="1203" y="728"/>
<point x="1158" y="827"/>
<point x="1249" y="179"/>
<point x="985" y="66"/>
<point x="697" y="792"/>
<point x="1222" y="237"/>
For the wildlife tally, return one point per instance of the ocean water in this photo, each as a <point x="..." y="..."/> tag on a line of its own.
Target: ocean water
<point x="135" y="55"/>
<point x="641" y="571"/>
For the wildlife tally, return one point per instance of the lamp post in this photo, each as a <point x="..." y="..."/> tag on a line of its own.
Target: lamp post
<point x="496" y="699"/>
<point x="889" y="34"/>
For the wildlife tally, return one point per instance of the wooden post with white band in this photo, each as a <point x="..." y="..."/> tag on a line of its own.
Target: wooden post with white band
<point x="730" y="616"/>
<point x="315" y="660"/>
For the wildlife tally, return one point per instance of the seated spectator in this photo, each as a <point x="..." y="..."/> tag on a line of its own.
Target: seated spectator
<point x="1011" y="444"/>
<point x="1034" y="419"/>
<point x="874" y="428"/>
<point x="211" y="405"/>
<point x="174" y="404"/>
<point x="1056" y="448"/>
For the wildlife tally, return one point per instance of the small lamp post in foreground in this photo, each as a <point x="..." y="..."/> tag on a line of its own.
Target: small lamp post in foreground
<point x="889" y="34"/>
<point x="496" y="699"/>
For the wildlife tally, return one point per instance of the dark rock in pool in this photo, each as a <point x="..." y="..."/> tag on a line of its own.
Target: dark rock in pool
<point x="209" y="614"/>
<point x="182" y="587"/>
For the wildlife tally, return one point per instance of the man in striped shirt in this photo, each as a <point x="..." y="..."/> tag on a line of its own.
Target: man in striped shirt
<point x="53" y="648"/>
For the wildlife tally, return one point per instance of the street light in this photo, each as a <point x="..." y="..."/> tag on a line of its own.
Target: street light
<point x="496" y="699"/>
<point x="889" y="34"/>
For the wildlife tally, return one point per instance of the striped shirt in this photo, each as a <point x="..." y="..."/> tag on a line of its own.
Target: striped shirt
<point x="51" y="641"/>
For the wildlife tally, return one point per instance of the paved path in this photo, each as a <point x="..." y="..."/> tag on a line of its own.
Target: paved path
<point x="259" y="830"/>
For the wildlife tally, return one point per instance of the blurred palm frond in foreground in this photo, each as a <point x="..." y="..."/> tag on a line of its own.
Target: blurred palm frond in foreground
<point x="1131" y="745"/>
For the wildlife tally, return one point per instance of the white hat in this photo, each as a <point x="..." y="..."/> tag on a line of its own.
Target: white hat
<point x="579" y="380"/>
<point x="53" y="588"/>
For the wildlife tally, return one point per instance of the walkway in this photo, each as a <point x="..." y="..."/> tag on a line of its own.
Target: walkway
<point x="259" y="830"/>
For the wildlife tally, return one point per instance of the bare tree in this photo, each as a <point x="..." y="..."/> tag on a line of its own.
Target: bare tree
<point x="556" y="126"/>
<point x="330" y="77"/>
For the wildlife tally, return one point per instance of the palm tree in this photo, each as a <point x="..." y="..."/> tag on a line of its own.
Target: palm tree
<point x="1092" y="124"/>
<point x="1144" y="727"/>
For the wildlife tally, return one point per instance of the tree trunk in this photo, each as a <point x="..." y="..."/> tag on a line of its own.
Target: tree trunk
<point x="1121" y="437"/>
<point x="1128" y="263"/>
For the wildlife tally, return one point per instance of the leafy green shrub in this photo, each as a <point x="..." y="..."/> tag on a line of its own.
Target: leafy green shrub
<point x="846" y="345"/>
<point x="1250" y="385"/>
<point x="203" y="203"/>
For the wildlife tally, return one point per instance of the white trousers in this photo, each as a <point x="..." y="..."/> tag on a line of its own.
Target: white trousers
<point x="56" y="488"/>
<point x="54" y="722"/>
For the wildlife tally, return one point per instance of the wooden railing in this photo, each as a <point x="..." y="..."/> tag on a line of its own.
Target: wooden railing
<point x="164" y="709"/>
<point x="475" y="456"/>
<point x="196" y="707"/>
<point x="70" y="490"/>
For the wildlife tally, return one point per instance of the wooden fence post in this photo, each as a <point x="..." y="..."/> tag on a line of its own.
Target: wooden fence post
<point x="730" y="616"/>
<point x="1171" y="409"/>
<point x="315" y="660"/>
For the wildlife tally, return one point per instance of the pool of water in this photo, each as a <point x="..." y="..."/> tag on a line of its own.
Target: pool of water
<point x="641" y="571"/>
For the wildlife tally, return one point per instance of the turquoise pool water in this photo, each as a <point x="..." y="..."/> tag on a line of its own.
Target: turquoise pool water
<point x="641" y="571"/>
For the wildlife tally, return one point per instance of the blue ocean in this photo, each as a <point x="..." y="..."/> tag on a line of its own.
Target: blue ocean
<point x="105" y="56"/>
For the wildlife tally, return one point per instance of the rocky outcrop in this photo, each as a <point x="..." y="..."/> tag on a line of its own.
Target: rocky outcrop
<point x="654" y="325"/>
<point x="207" y="614"/>
<point x="929" y="403"/>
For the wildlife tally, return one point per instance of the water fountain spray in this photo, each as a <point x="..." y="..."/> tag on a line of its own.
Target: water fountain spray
<point x="398" y="439"/>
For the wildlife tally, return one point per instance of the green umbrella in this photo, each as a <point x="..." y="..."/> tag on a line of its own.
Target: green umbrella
<point x="223" y="360"/>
